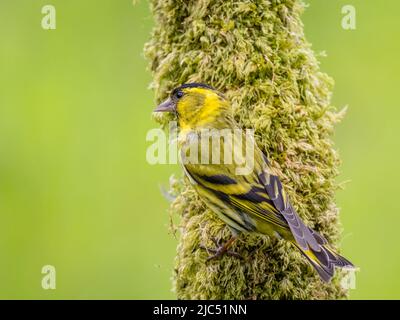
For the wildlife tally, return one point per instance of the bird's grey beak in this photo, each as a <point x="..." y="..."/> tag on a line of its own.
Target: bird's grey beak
<point x="166" y="106"/>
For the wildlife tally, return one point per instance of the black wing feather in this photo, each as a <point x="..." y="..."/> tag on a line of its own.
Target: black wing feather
<point x="300" y="231"/>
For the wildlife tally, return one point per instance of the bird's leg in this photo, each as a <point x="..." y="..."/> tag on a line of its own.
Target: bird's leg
<point x="221" y="249"/>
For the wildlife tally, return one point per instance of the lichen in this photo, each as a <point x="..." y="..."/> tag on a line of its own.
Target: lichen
<point x="256" y="53"/>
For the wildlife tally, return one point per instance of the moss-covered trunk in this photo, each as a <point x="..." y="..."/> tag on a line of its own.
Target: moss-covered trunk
<point x="255" y="52"/>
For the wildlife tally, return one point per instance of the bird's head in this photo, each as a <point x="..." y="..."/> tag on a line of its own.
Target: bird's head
<point x="197" y="106"/>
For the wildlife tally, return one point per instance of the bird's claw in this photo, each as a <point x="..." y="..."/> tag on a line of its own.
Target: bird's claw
<point x="220" y="250"/>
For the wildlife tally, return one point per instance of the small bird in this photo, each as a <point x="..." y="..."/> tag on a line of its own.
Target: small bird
<point x="254" y="201"/>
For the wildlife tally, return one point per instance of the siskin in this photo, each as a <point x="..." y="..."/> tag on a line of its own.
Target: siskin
<point x="252" y="201"/>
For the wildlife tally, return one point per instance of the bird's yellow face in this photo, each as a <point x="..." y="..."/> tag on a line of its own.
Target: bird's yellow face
<point x="196" y="106"/>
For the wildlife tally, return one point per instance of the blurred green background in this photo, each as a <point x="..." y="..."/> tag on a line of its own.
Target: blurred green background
<point x="76" y="191"/>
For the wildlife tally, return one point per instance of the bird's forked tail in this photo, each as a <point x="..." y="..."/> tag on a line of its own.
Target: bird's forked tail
<point x="325" y="259"/>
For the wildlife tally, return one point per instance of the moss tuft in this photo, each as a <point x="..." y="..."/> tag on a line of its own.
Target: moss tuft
<point x="256" y="52"/>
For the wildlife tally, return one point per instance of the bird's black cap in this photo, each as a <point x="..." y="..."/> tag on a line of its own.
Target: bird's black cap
<point x="193" y="85"/>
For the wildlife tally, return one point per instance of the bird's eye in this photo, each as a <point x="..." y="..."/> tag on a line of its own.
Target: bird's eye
<point x="179" y="94"/>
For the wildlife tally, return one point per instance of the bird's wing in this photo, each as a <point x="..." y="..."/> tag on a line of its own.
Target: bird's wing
<point x="242" y="193"/>
<point x="258" y="194"/>
<point x="273" y="187"/>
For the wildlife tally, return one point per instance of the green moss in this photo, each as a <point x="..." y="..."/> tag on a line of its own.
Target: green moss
<point x="254" y="51"/>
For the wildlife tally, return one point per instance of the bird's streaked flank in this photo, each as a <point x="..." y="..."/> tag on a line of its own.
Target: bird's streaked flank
<point x="254" y="202"/>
